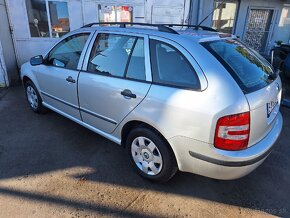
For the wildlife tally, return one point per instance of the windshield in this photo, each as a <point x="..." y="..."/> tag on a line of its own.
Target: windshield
<point x="249" y="69"/>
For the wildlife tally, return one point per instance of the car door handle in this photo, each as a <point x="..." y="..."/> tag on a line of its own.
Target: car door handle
<point x="128" y="93"/>
<point x="70" y="80"/>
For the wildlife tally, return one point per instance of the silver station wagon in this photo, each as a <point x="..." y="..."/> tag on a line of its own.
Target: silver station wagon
<point x="176" y="97"/>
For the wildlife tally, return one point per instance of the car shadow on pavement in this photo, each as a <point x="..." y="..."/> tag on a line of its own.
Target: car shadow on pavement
<point x="74" y="204"/>
<point x="34" y="144"/>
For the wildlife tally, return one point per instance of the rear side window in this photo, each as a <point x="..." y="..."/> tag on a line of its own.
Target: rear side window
<point x="118" y="55"/>
<point x="170" y="67"/>
<point x="250" y="70"/>
<point x="136" y="68"/>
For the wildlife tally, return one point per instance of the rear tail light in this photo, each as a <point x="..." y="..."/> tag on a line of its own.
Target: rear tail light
<point x="232" y="132"/>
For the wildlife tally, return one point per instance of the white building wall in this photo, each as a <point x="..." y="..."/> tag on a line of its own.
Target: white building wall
<point x="27" y="46"/>
<point x="3" y="72"/>
<point x="167" y="11"/>
<point x="7" y="55"/>
<point x="207" y="6"/>
<point x="86" y="11"/>
<point x="259" y="4"/>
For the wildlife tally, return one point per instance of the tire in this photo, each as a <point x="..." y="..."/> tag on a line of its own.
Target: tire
<point x="150" y="155"/>
<point x="33" y="98"/>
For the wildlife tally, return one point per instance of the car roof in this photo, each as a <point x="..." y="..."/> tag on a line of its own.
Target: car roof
<point x="189" y="33"/>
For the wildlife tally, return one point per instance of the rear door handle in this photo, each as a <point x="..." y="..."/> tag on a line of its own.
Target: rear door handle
<point x="70" y="80"/>
<point x="128" y="93"/>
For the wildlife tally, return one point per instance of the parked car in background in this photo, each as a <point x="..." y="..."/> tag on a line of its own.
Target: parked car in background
<point x="281" y="59"/>
<point x="193" y="99"/>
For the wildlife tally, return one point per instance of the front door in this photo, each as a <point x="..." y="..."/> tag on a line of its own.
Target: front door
<point x="258" y="28"/>
<point x="114" y="79"/>
<point x="57" y="78"/>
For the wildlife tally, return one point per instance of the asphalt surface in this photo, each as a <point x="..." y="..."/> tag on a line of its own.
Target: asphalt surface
<point x="52" y="167"/>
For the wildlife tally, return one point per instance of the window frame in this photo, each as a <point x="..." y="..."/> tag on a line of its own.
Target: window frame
<point x="197" y="72"/>
<point x="48" y="19"/>
<point x="81" y="60"/>
<point x="148" y="74"/>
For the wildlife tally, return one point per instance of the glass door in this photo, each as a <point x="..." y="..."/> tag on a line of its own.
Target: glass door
<point x="258" y="28"/>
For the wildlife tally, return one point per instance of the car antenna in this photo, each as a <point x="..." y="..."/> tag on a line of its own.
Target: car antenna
<point x="220" y="4"/>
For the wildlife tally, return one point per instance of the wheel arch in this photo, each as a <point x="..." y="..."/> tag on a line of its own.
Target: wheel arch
<point x="25" y="79"/>
<point x="137" y="123"/>
<point x="134" y="124"/>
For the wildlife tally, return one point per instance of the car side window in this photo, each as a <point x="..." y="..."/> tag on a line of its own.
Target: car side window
<point x="110" y="54"/>
<point x="136" y="67"/>
<point x="170" y="67"/>
<point x="68" y="52"/>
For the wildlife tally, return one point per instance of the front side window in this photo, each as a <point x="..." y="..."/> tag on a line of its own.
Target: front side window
<point x="68" y="52"/>
<point x="224" y="16"/>
<point x="170" y="67"/>
<point x="38" y="12"/>
<point x="117" y="55"/>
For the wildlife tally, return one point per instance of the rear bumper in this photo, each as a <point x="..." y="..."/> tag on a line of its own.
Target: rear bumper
<point x="204" y="159"/>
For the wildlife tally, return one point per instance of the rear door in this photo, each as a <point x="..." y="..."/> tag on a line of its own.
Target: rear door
<point x="264" y="107"/>
<point x="256" y="79"/>
<point x="114" y="80"/>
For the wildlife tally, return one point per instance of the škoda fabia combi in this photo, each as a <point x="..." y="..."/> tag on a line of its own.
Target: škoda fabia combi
<point x="192" y="99"/>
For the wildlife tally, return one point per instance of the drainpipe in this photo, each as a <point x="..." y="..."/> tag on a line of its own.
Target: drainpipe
<point x="83" y="11"/>
<point x="200" y="10"/>
<point x="190" y="12"/>
<point x="12" y="34"/>
<point x="3" y="69"/>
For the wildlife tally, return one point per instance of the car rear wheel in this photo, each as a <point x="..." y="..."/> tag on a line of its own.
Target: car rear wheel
<point x="150" y="155"/>
<point x="33" y="97"/>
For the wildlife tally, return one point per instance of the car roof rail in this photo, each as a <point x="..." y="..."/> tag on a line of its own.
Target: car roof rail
<point x="196" y="27"/>
<point x="161" y="27"/>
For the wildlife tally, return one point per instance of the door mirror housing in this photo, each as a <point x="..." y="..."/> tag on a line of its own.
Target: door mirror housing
<point x="36" y="60"/>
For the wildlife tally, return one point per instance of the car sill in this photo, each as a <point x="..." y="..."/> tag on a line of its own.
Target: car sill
<point x="106" y="135"/>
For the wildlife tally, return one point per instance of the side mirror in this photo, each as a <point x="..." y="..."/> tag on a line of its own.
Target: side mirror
<point x="37" y="60"/>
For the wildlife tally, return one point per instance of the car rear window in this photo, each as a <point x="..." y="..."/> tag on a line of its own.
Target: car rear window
<point x="249" y="69"/>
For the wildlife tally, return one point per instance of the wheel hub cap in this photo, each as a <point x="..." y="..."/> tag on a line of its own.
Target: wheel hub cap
<point x="32" y="97"/>
<point x="146" y="156"/>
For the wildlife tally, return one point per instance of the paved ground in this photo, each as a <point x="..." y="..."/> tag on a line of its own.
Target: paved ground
<point x="50" y="166"/>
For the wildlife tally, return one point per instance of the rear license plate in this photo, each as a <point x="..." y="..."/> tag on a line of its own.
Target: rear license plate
<point x="271" y="106"/>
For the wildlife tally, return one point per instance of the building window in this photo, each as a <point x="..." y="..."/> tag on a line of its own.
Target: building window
<point x="109" y="13"/>
<point x="47" y="18"/>
<point x="224" y="16"/>
<point x="59" y="18"/>
<point x="283" y="33"/>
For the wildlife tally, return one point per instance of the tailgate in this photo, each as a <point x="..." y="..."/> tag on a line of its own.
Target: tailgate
<point x="264" y="106"/>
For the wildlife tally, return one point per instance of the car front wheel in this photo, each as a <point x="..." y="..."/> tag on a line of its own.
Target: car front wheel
<point x="150" y="155"/>
<point x="33" y="97"/>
